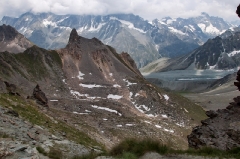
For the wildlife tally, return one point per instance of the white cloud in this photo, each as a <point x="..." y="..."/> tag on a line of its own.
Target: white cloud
<point x="148" y="9"/>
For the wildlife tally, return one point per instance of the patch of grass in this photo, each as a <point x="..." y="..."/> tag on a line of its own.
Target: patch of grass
<point x="4" y="135"/>
<point x="55" y="154"/>
<point x="128" y="155"/>
<point x="41" y="150"/>
<point x="138" y="148"/>
<point x="34" y="60"/>
<point x="87" y="156"/>
<point x="133" y="148"/>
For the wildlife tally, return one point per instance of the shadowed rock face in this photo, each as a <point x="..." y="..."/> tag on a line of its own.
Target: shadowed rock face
<point x="130" y="63"/>
<point x="221" y="130"/>
<point x="7" y="33"/>
<point x="40" y="96"/>
<point x="12" y="41"/>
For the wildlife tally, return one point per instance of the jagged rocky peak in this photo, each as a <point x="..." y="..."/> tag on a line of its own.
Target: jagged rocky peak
<point x="7" y="33"/>
<point x="73" y="36"/>
<point x="12" y="41"/>
<point x="75" y="39"/>
<point x="104" y="64"/>
<point x="204" y="14"/>
<point x="222" y="129"/>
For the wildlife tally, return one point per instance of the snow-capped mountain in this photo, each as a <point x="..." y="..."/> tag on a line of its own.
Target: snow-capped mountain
<point x="221" y="52"/>
<point x="199" y="29"/>
<point x="144" y="41"/>
<point x="12" y="41"/>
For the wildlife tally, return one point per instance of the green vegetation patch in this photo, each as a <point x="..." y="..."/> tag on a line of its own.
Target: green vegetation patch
<point x="37" y="60"/>
<point x="132" y="148"/>
<point x="138" y="147"/>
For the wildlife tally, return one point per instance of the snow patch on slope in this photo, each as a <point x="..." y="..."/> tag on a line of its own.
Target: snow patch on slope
<point x="128" y="83"/>
<point x="128" y="24"/>
<point x="46" y="23"/>
<point x="233" y="53"/>
<point x="90" y="85"/>
<point x="176" y="31"/>
<point x="106" y="109"/>
<point x="111" y="96"/>
<point x="80" y="75"/>
<point x="166" y="97"/>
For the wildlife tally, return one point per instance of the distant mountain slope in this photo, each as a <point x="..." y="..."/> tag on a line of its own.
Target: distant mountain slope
<point x="12" y="41"/>
<point x="144" y="41"/>
<point x="99" y="92"/>
<point x="222" y="52"/>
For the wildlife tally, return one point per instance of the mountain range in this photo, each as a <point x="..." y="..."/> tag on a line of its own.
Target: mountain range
<point x="220" y="53"/>
<point x="145" y="41"/>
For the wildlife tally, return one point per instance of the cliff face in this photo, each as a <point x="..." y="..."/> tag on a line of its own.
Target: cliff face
<point x="222" y="129"/>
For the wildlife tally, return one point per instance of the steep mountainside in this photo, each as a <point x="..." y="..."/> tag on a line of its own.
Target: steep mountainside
<point x="12" y="41"/>
<point x="198" y="29"/>
<point x="144" y="41"/>
<point x="221" y="52"/>
<point x="94" y="90"/>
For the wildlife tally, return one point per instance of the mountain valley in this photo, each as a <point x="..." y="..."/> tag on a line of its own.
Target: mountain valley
<point x="91" y="90"/>
<point x="72" y="92"/>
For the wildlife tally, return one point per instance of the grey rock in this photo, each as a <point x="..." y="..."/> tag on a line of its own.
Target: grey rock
<point x="220" y="130"/>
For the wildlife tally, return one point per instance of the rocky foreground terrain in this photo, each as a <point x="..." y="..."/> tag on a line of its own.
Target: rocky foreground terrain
<point x="221" y="129"/>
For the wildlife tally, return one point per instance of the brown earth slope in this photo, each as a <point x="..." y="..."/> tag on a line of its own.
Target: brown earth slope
<point x="100" y="93"/>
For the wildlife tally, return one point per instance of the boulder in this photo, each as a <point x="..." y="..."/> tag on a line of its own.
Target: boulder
<point x="40" y="96"/>
<point x="211" y="114"/>
<point x="11" y="88"/>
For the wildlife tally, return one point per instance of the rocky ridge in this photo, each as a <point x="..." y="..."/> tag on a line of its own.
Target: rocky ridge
<point x="221" y="129"/>
<point x="12" y="41"/>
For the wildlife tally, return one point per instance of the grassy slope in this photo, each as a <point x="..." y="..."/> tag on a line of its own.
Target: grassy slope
<point x="28" y="110"/>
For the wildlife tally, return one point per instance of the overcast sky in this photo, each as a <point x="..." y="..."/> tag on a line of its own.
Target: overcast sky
<point x="148" y="9"/>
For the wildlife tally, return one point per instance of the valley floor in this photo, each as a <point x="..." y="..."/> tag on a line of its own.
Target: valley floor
<point x="215" y="99"/>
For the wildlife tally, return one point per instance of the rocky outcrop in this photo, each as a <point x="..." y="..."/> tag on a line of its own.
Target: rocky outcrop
<point x="3" y="88"/>
<point x="221" y="130"/>
<point x="238" y="80"/>
<point x="11" y="88"/>
<point x="130" y="63"/>
<point x="40" y="96"/>
<point x="12" y="41"/>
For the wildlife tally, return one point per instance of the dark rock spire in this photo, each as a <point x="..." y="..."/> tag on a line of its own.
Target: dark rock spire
<point x="73" y="36"/>
<point x="238" y="11"/>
